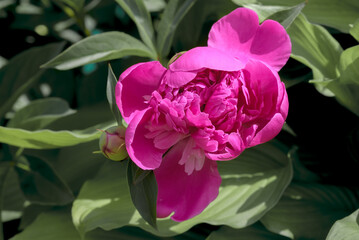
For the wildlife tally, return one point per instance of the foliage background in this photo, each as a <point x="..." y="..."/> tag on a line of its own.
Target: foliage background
<point x="53" y="97"/>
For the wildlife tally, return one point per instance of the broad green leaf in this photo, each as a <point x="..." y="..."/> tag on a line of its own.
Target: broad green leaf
<point x="41" y="184"/>
<point x="263" y="11"/>
<point x="308" y="210"/>
<point x="47" y="139"/>
<point x="57" y="225"/>
<point x="354" y="30"/>
<point x="76" y="5"/>
<point x="4" y="170"/>
<point x="174" y="12"/>
<point x="251" y="185"/>
<point x="31" y="212"/>
<point x="22" y="72"/>
<point x="143" y="190"/>
<point x="337" y="14"/>
<point x="313" y="46"/>
<point x="111" y="96"/>
<point x="138" y="13"/>
<point x="287" y="16"/>
<point x="40" y="113"/>
<point x="254" y="232"/>
<point x="154" y="5"/>
<point x="13" y="198"/>
<point x="346" y="87"/>
<point x="98" y="48"/>
<point x="346" y="228"/>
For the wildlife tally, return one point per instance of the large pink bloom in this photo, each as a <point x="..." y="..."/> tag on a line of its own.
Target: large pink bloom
<point x="211" y="104"/>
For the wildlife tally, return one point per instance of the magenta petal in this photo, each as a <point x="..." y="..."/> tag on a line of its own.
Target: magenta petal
<point x="135" y="87"/>
<point x="239" y="34"/>
<point x="185" y="195"/>
<point x="142" y="150"/>
<point x="200" y="58"/>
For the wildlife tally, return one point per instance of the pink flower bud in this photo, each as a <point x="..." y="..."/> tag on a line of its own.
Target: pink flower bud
<point x="112" y="143"/>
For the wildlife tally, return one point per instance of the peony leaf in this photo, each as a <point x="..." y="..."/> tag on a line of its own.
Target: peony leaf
<point x="4" y="170"/>
<point x="254" y="232"/>
<point x="308" y="210"/>
<point x="110" y="93"/>
<point x="335" y="14"/>
<point x="47" y="139"/>
<point x="40" y="113"/>
<point x="41" y="184"/>
<point x="172" y="16"/>
<point x="346" y="228"/>
<point x="313" y="46"/>
<point x="137" y="11"/>
<point x="143" y="190"/>
<point x="98" y="48"/>
<point x="251" y="185"/>
<point x="14" y="82"/>
<point x="287" y="16"/>
<point x="346" y="87"/>
<point x="354" y="30"/>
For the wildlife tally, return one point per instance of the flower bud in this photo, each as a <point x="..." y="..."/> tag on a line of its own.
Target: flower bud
<point x="112" y="143"/>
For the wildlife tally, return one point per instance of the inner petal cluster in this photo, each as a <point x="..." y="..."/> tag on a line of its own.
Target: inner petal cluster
<point x="211" y="110"/>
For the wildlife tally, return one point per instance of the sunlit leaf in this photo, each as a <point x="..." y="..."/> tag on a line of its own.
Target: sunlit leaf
<point x="251" y="185"/>
<point x="287" y="16"/>
<point x="308" y="210"/>
<point x="40" y="113"/>
<point x="174" y="12"/>
<point x="41" y="184"/>
<point x="346" y="228"/>
<point x="46" y="139"/>
<point x="154" y="5"/>
<point x="98" y="48"/>
<point x="142" y="18"/>
<point x="254" y="232"/>
<point x="354" y="30"/>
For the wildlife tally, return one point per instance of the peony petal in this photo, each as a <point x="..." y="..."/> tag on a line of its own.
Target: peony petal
<point x="200" y="58"/>
<point x="239" y="34"/>
<point x="135" y="85"/>
<point x="142" y="150"/>
<point x="267" y="80"/>
<point x="185" y="195"/>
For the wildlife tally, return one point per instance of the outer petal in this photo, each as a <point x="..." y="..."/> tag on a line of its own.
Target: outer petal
<point x="142" y="150"/>
<point x="268" y="79"/>
<point x="135" y="84"/>
<point x="239" y="34"/>
<point x="198" y="59"/>
<point x="185" y="195"/>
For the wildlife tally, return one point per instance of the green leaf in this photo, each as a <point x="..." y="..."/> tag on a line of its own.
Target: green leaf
<point x="308" y="210"/>
<point x="47" y="139"/>
<point x="4" y="169"/>
<point x="143" y="190"/>
<point x="346" y="87"/>
<point x="354" y="30"/>
<point x="76" y="5"/>
<point x="336" y="14"/>
<point x="13" y="198"/>
<point x="154" y="5"/>
<point x="15" y="82"/>
<point x="41" y="184"/>
<point x="346" y="228"/>
<point x="98" y="48"/>
<point x="40" y="113"/>
<point x="111" y="96"/>
<point x="313" y="46"/>
<point x="251" y="185"/>
<point x="287" y="16"/>
<point x="172" y="16"/>
<point x="142" y="18"/>
<point x="54" y="225"/>
<point x="254" y="232"/>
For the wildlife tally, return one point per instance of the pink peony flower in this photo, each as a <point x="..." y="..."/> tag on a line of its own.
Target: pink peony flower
<point x="211" y="104"/>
